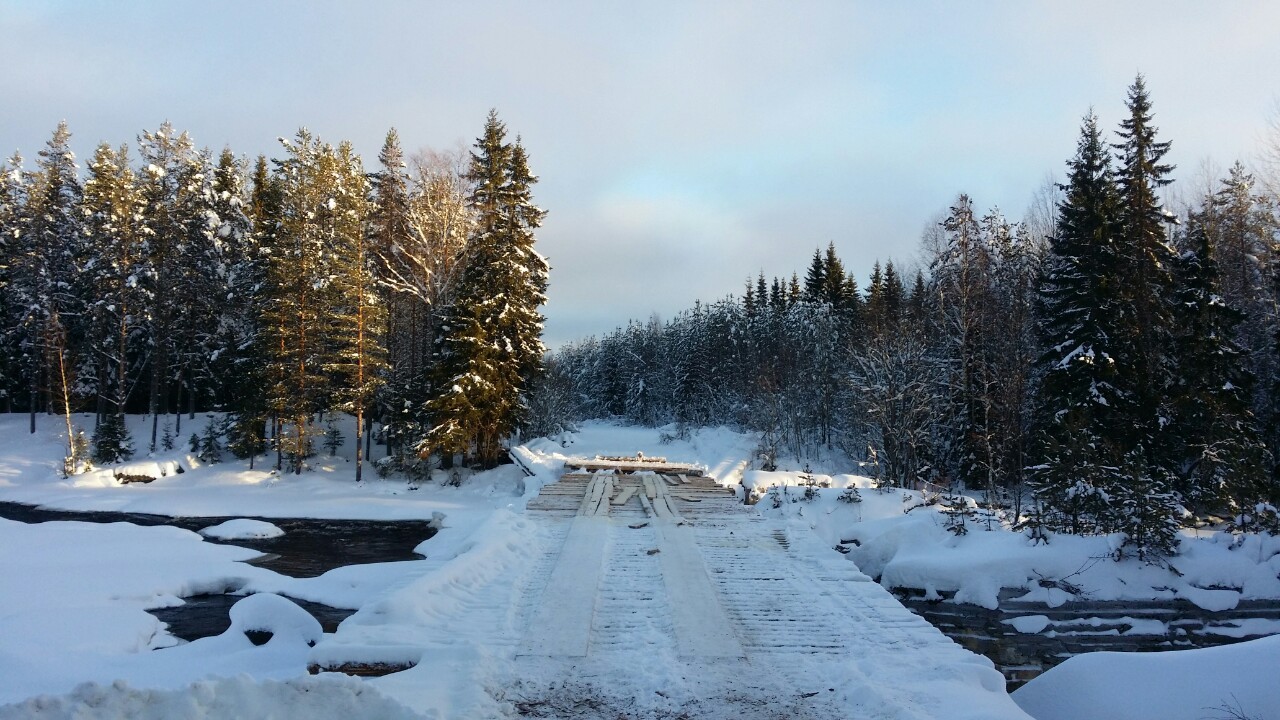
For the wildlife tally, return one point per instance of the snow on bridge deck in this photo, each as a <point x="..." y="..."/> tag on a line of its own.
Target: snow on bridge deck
<point x="666" y="597"/>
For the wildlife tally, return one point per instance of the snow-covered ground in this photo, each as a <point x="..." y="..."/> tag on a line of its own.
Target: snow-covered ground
<point x="893" y="535"/>
<point x="73" y="598"/>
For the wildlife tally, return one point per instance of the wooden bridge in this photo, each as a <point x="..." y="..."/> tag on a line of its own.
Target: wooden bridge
<point x="661" y="570"/>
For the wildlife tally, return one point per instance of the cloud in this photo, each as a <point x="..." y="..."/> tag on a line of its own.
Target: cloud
<point x="682" y="146"/>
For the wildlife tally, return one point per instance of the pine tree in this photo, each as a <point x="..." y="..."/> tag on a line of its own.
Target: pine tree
<point x="109" y="281"/>
<point x="300" y="287"/>
<point x="360" y="315"/>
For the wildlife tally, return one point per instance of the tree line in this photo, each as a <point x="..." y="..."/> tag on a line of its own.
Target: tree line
<point x="276" y="291"/>
<point x="1110" y="367"/>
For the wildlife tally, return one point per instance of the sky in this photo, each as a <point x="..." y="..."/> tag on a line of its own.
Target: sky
<point x="682" y="147"/>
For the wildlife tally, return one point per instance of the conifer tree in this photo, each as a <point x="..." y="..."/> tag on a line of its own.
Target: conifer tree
<point x="166" y="157"/>
<point x="1146" y="261"/>
<point x="1079" y="404"/>
<point x="359" y="317"/>
<point x="12" y="205"/>
<point x="493" y="330"/>
<point x="300" y="292"/>
<point x="402" y="271"/>
<point x="45" y="277"/>
<point x="1222" y="467"/>
<point x="1145" y="338"/>
<point x="815" y="280"/>
<point x="110" y="280"/>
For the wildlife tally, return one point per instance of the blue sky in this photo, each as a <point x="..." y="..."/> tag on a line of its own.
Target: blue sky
<point x="682" y="145"/>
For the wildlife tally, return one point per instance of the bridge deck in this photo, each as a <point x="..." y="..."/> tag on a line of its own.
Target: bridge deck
<point x="669" y="575"/>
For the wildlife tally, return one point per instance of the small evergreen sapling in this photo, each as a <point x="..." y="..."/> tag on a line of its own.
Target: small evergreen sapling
<point x="111" y="440"/>
<point x="333" y="439"/>
<point x="78" y="460"/>
<point x="211" y="443"/>
<point x="850" y="495"/>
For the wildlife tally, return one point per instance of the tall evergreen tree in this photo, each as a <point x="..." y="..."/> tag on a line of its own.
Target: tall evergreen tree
<point x="45" y="278"/>
<point x="109" y="279"/>
<point x="1222" y="467"/>
<point x="12" y="206"/>
<point x="1080" y="408"/>
<point x="1146" y="262"/>
<point x="359" y="317"/>
<point x="501" y="289"/>
<point x="300" y="290"/>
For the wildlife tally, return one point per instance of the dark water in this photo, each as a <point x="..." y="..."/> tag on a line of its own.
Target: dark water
<point x="209" y="615"/>
<point x="309" y="547"/>
<point x="1080" y="627"/>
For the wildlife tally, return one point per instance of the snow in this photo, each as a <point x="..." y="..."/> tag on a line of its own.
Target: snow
<point x="219" y="699"/>
<point x="906" y="544"/>
<point x="1176" y="685"/>
<point x="267" y="612"/>
<point x="460" y="616"/>
<point x="242" y="529"/>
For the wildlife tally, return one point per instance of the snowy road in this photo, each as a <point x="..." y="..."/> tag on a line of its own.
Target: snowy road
<point x="682" y="603"/>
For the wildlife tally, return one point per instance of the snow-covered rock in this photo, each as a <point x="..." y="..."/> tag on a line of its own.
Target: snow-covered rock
<point x="242" y="529"/>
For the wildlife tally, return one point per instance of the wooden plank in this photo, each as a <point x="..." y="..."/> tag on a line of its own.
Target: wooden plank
<point x="671" y="507"/>
<point x="561" y="624"/>
<point x="590" y="498"/>
<point x="701" y="624"/>
<point x="670" y="480"/>
<point x="650" y="490"/>
<point x="631" y="467"/>
<point x="647" y="506"/>
<point x="686" y="497"/>
<point x="626" y="494"/>
<point x="602" y="505"/>
<point x="684" y="479"/>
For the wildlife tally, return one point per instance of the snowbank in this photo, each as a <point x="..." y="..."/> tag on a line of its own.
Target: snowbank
<point x="235" y="698"/>
<point x="896" y="537"/>
<point x="1178" y="685"/>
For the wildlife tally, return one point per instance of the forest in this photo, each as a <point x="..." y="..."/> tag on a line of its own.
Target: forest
<point x="1107" y="366"/>
<point x="274" y="291"/>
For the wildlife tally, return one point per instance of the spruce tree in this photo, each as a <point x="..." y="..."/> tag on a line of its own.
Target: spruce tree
<point x="1079" y="405"/>
<point x="815" y="280"/>
<point x="1145" y="262"/>
<point x="12" y="204"/>
<point x="493" y="329"/>
<point x="1145" y="337"/>
<point x="44" y="280"/>
<point x="1222" y="467"/>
